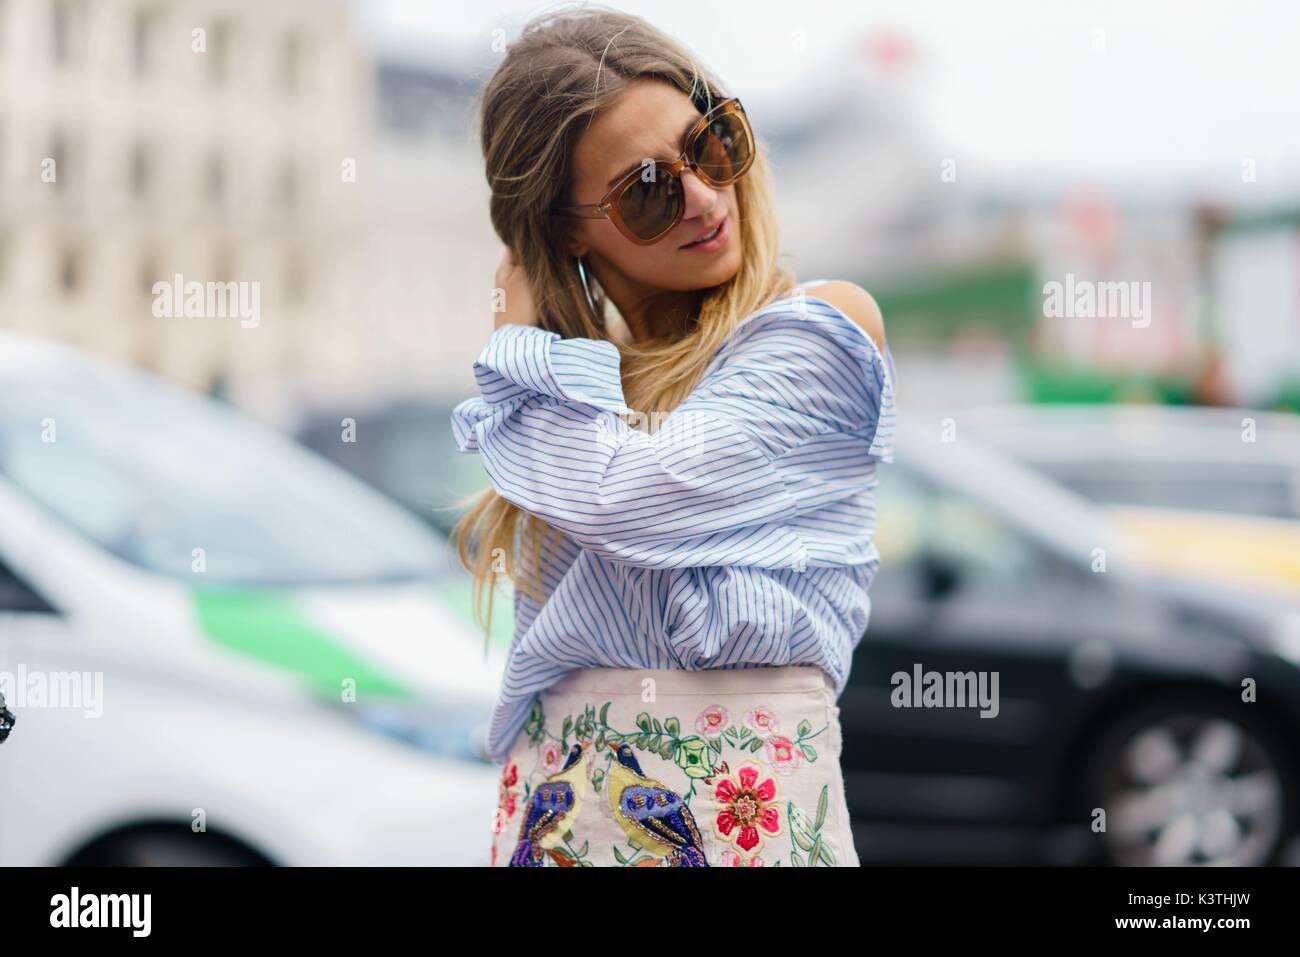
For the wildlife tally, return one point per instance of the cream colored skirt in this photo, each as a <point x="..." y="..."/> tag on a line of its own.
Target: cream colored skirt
<point x="665" y="768"/>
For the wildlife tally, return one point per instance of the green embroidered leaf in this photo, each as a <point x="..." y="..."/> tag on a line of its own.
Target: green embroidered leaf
<point x="657" y="725"/>
<point x="809" y="752"/>
<point x="815" y="855"/>
<point x="643" y="721"/>
<point x="619" y="857"/>
<point x="805" y="727"/>
<point x="568" y="726"/>
<point x="744" y="733"/>
<point x="668" y="751"/>
<point x="673" y="727"/>
<point x="795" y="859"/>
<point x="827" y="856"/>
<point x="583" y="852"/>
<point x="604" y="712"/>
<point x="756" y="744"/>
<point x="801" y="829"/>
<point x="822" y="803"/>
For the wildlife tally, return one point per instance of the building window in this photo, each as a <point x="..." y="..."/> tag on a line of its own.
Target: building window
<point x="220" y="44"/>
<point x="214" y="178"/>
<point x="141" y="171"/>
<point x="294" y="57"/>
<point x="147" y="276"/>
<point x="71" y="270"/>
<point x="62" y="163"/>
<point x="144" y="29"/>
<point x="67" y="23"/>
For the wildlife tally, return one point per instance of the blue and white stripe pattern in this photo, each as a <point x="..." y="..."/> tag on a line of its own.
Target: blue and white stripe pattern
<point x="738" y="533"/>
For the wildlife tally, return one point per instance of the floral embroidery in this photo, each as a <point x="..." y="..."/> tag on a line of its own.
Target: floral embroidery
<point x="506" y="799"/>
<point x="806" y="834"/>
<point x="748" y="808"/>
<point x="506" y="803"/>
<point x="712" y="721"/>
<point x="762" y="722"/>
<point x="552" y="757"/>
<point x="744" y="806"/>
<point x="783" y="754"/>
<point x="693" y="757"/>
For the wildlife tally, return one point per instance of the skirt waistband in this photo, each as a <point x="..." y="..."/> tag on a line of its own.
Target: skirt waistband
<point x="713" y="681"/>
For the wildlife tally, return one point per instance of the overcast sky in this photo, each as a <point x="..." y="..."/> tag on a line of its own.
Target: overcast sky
<point x="1151" y="89"/>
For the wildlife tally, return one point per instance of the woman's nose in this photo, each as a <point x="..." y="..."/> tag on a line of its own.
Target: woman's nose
<point x="700" y="196"/>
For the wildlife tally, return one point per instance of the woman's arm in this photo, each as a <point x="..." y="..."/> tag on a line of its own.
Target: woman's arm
<point x="704" y="489"/>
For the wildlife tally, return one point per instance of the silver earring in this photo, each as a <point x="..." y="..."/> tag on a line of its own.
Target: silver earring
<point x="582" y="274"/>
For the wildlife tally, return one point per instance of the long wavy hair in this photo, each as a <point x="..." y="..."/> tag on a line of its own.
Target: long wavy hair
<point x="564" y="67"/>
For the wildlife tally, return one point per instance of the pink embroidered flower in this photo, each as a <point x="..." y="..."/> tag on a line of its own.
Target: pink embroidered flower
<point x="712" y="721"/>
<point x="506" y="798"/>
<point x="782" y="753"/>
<point x="748" y="808"/>
<point x="762" y="722"/>
<point x="732" y="859"/>
<point x="552" y="758"/>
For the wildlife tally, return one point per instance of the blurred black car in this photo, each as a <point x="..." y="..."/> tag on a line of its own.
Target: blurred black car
<point x="1120" y="732"/>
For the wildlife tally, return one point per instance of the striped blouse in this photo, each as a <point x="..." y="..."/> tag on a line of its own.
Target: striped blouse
<point x="737" y="533"/>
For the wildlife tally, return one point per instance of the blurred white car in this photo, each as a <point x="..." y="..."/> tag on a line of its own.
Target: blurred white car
<point x="219" y="648"/>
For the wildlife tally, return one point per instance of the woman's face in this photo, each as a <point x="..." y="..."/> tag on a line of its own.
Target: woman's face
<point x="650" y="121"/>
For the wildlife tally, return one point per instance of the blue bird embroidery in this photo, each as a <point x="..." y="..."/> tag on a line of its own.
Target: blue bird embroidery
<point x="653" y="816"/>
<point x="556" y="801"/>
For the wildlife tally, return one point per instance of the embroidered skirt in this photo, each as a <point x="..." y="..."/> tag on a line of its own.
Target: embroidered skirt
<point x="665" y="768"/>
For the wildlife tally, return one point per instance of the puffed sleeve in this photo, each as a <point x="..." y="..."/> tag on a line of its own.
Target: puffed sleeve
<point x="704" y="488"/>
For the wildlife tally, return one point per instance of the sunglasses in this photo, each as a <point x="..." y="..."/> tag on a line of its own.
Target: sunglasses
<point x="650" y="200"/>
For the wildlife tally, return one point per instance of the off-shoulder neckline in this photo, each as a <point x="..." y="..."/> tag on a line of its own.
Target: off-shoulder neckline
<point x="882" y="357"/>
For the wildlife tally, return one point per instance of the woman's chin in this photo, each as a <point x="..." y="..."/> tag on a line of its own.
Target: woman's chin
<point x="708" y="275"/>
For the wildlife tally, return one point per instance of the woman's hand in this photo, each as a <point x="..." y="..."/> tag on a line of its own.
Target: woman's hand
<point x="513" y="295"/>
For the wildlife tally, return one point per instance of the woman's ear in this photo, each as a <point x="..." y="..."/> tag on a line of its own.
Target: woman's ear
<point x="574" y="246"/>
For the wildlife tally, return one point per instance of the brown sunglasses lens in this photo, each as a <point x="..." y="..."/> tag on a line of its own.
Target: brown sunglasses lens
<point x="651" y="205"/>
<point x="722" y="151"/>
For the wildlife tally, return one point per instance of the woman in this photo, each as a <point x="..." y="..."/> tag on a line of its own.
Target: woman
<point x="682" y="494"/>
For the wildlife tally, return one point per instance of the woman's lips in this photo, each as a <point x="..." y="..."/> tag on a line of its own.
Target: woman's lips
<point x="718" y="241"/>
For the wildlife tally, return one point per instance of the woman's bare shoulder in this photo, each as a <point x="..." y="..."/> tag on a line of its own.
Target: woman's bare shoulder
<point x="856" y="303"/>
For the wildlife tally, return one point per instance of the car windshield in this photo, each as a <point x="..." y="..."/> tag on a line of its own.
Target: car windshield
<point x="178" y="484"/>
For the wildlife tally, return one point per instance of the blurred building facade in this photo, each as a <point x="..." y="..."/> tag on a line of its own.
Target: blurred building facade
<point x="141" y="139"/>
<point x="272" y="143"/>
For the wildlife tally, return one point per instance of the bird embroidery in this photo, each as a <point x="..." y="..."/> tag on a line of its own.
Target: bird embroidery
<point x="554" y="804"/>
<point x="653" y="816"/>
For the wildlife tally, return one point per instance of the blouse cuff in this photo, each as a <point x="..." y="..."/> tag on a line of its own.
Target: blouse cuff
<point x="523" y="359"/>
<point x="882" y="440"/>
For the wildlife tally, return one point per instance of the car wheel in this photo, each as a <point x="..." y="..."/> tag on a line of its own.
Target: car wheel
<point x="167" y="848"/>
<point x="1192" y="781"/>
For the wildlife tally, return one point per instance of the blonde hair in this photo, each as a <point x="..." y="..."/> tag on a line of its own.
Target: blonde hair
<point x="563" y="68"/>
